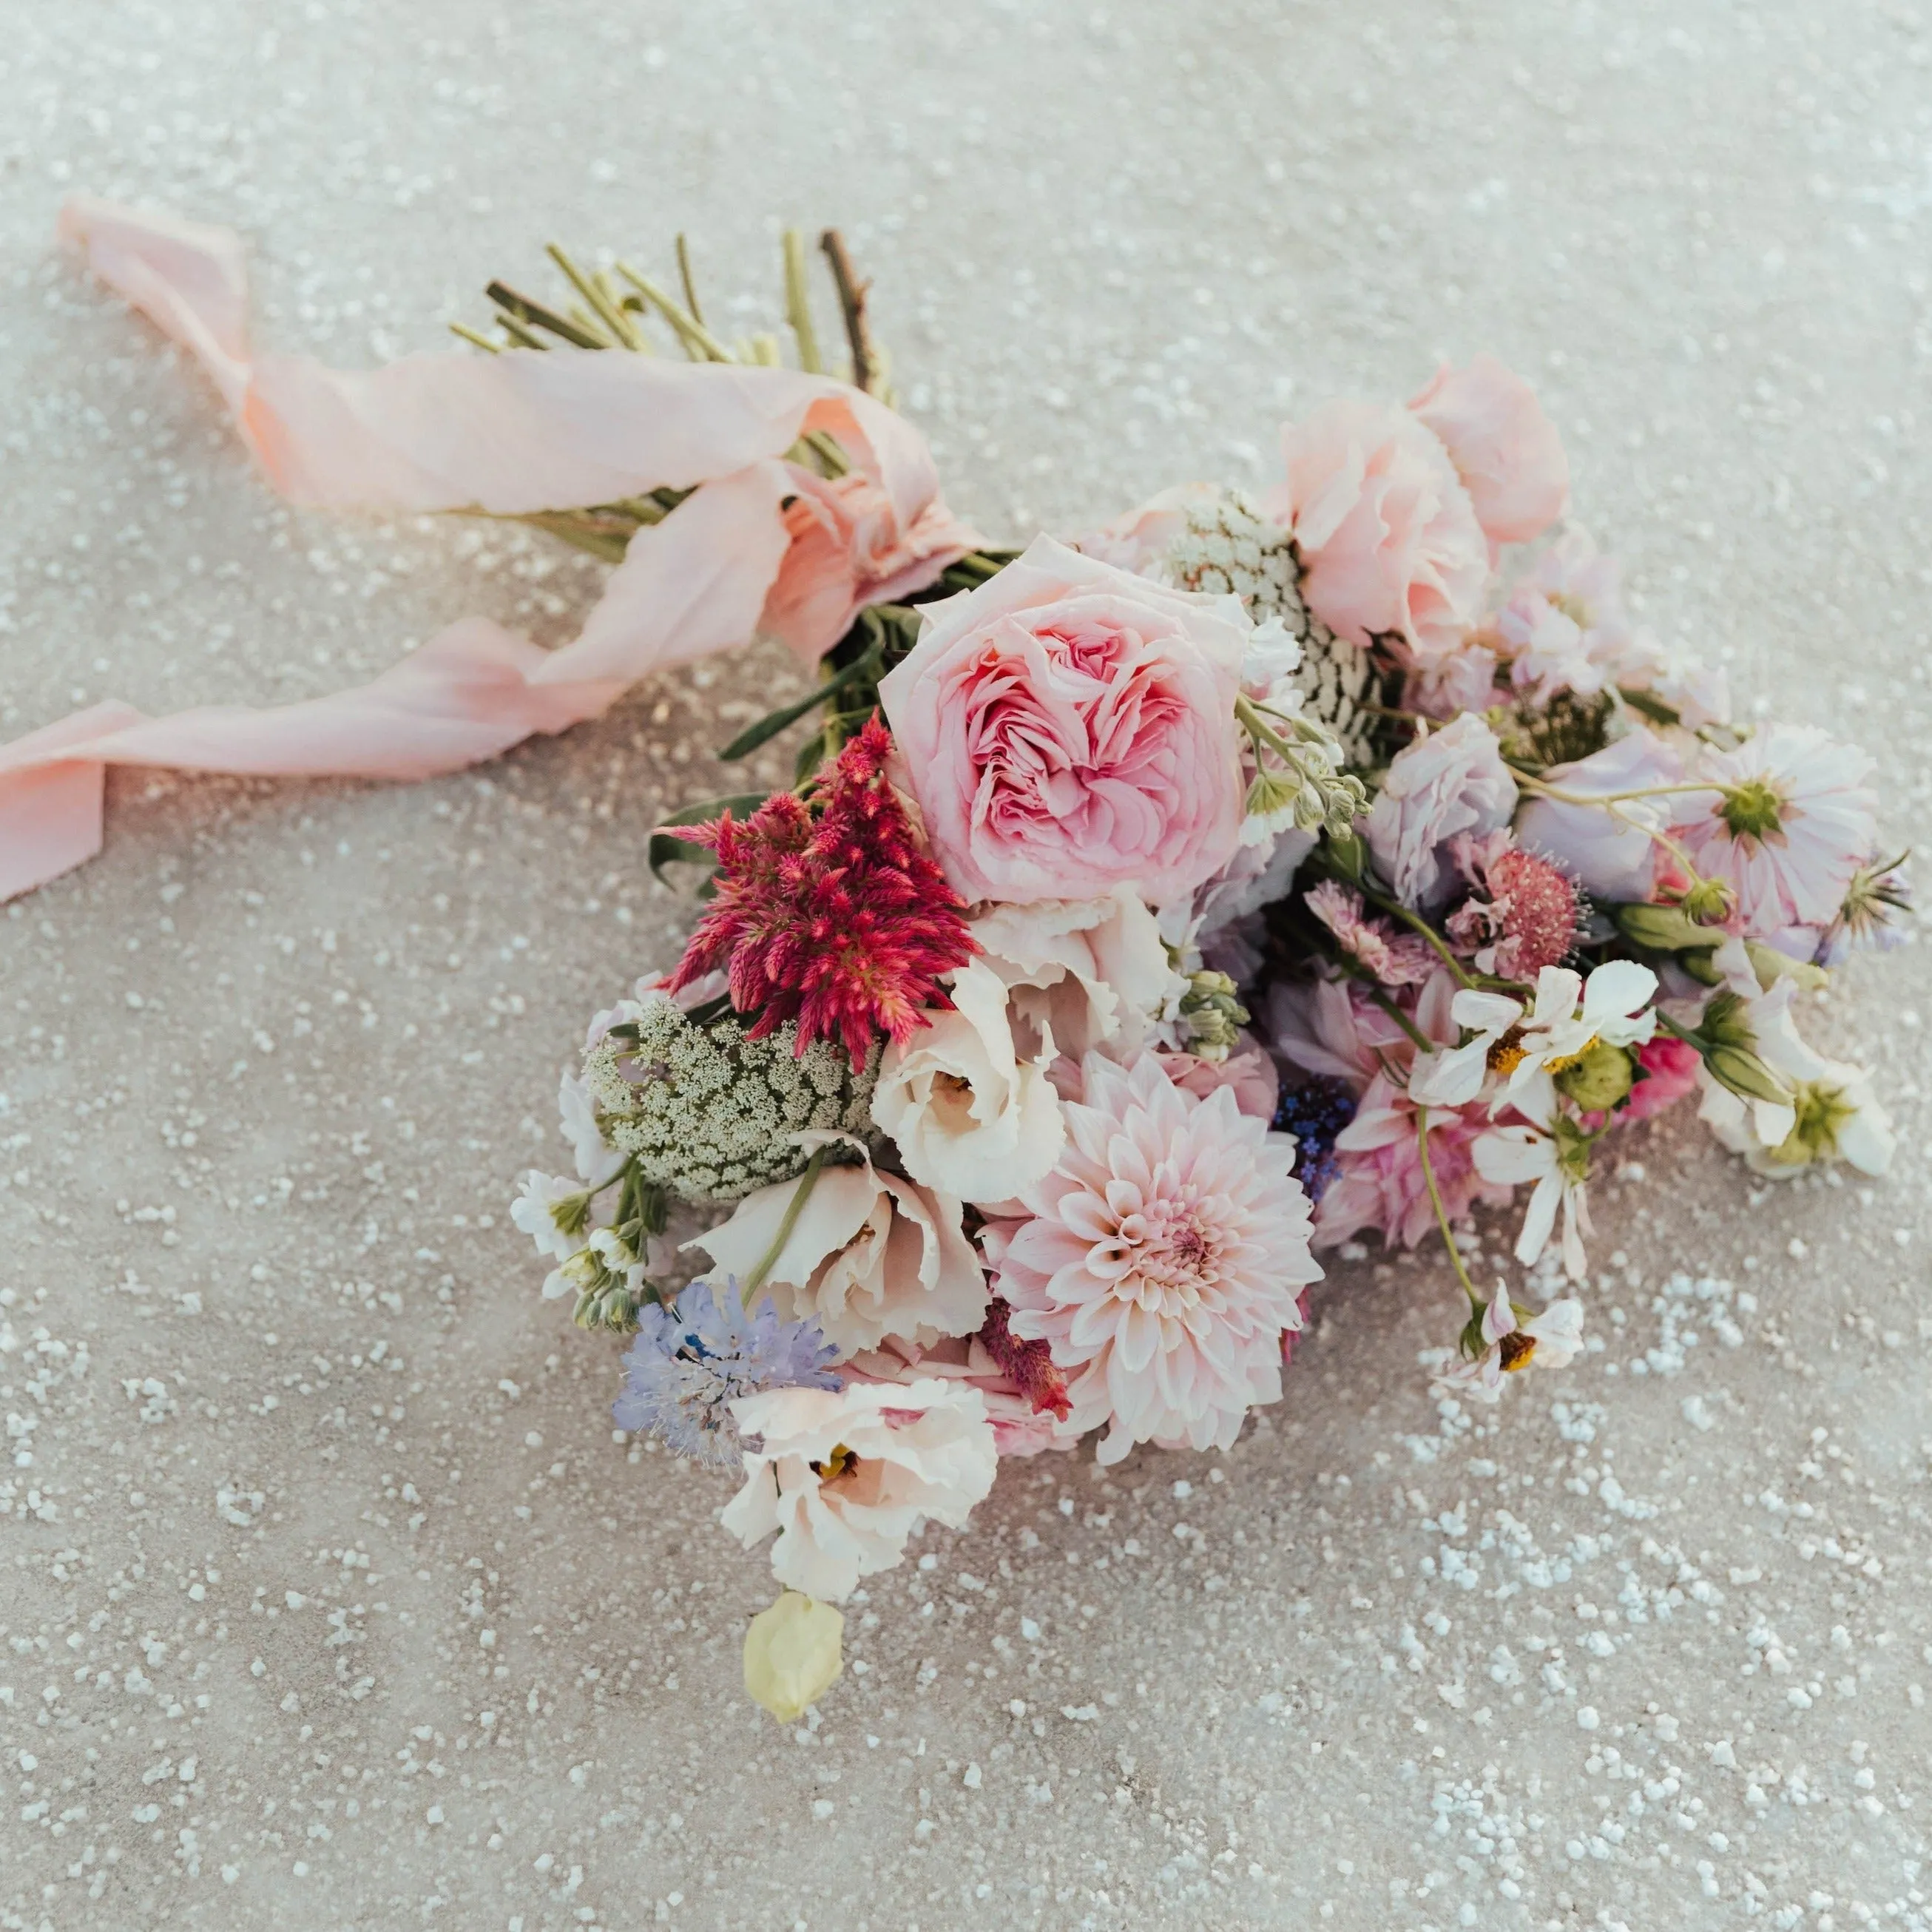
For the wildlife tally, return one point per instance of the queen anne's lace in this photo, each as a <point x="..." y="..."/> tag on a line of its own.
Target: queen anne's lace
<point x="1228" y="545"/>
<point x="711" y="1114"/>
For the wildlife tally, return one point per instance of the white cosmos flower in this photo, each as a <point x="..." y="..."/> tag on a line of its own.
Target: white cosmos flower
<point x="1568" y="1015"/>
<point x="870" y="1255"/>
<point x="1551" y="1150"/>
<point x="845" y="1476"/>
<point x="1551" y="1340"/>
<point x="971" y="1117"/>
<point x="1833" y="1114"/>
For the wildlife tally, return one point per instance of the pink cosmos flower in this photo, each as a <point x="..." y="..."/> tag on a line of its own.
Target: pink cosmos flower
<point x="1396" y="959"/>
<point x="1505" y="449"/>
<point x="1331" y="1029"/>
<point x="1379" y="1182"/>
<point x="1792" y="825"/>
<point x="1068" y="728"/>
<point x="1160" y="1260"/>
<point x="848" y="550"/>
<point x="1452" y="782"/>
<point x="1388" y="537"/>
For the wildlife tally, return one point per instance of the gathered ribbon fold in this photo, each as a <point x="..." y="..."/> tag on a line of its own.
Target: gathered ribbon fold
<point x="762" y="544"/>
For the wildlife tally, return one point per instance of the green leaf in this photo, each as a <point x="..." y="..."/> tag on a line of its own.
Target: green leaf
<point x="1647" y="705"/>
<point x="768" y="727"/>
<point x="666" y="849"/>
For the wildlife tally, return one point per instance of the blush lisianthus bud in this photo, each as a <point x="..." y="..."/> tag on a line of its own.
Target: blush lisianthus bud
<point x="793" y="1654"/>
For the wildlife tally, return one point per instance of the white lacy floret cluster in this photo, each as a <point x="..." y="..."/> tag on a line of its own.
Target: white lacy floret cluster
<point x="711" y="1114"/>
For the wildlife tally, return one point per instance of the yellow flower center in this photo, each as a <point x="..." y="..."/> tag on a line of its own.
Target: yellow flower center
<point x="1506" y="1055"/>
<point x="840" y="1462"/>
<point x="1515" y="1349"/>
<point x="1563" y="1062"/>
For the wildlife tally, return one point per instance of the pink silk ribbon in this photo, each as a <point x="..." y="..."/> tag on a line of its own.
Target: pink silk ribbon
<point x="763" y="544"/>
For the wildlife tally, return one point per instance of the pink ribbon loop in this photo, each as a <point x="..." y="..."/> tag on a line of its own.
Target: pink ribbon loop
<point x="762" y="545"/>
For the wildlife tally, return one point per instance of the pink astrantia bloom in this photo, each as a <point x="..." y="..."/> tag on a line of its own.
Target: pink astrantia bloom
<point x="1386" y="531"/>
<point x="1020" y="1426"/>
<point x="1396" y="958"/>
<point x="1505" y="449"/>
<point x="1789" y="822"/>
<point x="1068" y="728"/>
<point x="1159" y="1260"/>
<point x="1523" y="912"/>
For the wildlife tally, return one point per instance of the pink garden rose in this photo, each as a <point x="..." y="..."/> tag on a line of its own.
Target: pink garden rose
<point x="1387" y="534"/>
<point x="1505" y="449"/>
<point x="1068" y="728"/>
<point x="848" y="550"/>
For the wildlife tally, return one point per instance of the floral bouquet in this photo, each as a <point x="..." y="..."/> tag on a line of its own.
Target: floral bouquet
<point x="1150" y="911"/>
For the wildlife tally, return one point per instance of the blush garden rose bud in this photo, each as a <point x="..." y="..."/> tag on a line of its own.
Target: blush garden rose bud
<point x="793" y="1653"/>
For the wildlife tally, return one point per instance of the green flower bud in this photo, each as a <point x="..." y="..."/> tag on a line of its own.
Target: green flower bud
<point x="1662" y="928"/>
<point x="1709" y="902"/>
<point x="1746" y="1076"/>
<point x="1598" y="1078"/>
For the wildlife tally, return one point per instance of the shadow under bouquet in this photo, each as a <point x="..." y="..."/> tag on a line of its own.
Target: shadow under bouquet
<point x="1152" y="911"/>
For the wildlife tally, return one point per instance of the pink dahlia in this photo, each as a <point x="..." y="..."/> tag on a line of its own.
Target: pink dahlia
<point x="1159" y="1260"/>
<point x="1787" y="823"/>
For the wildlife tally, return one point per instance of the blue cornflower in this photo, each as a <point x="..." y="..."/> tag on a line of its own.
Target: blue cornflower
<point x="1315" y="1113"/>
<point x="692" y="1360"/>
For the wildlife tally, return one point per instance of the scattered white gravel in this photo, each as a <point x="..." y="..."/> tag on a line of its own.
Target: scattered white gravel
<point x="329" y="1597"/>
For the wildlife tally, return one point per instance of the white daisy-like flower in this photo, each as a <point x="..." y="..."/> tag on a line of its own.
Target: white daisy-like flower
<point x="1524" y="1047"/>
<point x="1833" y="1114"/>
<point x="1550" y="1150"/>
<point x="1510" y="1344"/>
<point x="597" y="1160"/>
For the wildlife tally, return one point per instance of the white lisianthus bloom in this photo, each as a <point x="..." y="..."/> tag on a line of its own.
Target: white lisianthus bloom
<point x="1551" y="1151"/>
<point x="970" y="1117"/>
<point x="1833" y="1115"/>
<point x="870" y="1255"/>
<point x="845" y="1476"/>
<point x="1078" y="973"/>
<point x="1522" y="1046"/>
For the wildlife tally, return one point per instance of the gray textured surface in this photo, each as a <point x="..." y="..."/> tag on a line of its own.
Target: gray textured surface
<point x="270" y="1065"/>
